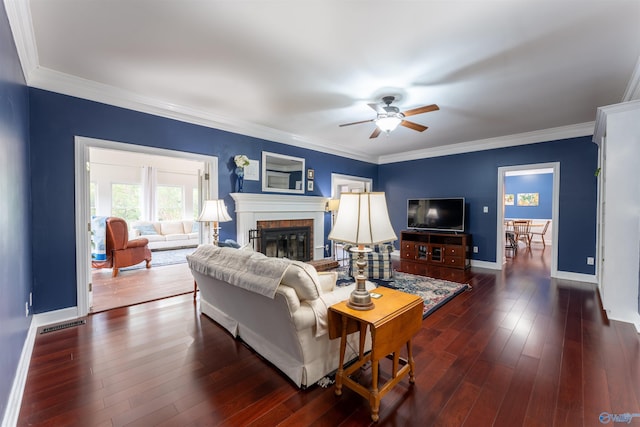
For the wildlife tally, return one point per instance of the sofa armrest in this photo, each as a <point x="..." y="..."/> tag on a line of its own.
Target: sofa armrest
<point x="290" y="296"/>
<point x="302" y="315"/>
<point x="387" y="247"/>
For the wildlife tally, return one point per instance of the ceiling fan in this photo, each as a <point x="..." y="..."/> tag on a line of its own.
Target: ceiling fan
<point x="389" y="117"/>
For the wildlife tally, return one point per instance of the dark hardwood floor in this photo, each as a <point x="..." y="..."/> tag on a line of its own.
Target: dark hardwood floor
<point x="518" y="349"/>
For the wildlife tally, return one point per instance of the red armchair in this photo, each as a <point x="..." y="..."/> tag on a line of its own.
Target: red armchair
<point x="122" y="252"/>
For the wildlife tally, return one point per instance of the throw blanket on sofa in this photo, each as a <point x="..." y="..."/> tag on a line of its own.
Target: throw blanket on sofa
<point x="249" y="270"/>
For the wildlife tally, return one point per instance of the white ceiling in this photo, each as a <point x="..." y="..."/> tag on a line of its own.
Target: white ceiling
<point x="502" y="72"/>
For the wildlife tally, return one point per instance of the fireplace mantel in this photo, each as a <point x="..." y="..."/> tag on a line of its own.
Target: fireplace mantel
<point x="254" y="207"/>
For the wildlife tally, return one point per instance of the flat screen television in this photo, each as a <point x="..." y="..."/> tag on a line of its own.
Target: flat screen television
<point x="436" y="214"/>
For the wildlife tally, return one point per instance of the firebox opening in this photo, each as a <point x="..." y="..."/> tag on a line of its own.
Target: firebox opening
<point x="287" y="242"/>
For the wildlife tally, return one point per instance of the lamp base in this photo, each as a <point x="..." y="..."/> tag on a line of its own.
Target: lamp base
<point x="360" y="299"/>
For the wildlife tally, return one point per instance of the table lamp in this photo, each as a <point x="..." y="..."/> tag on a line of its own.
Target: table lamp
<point x="332" y="206"/>
<point x="362" y="220"/>
<point x="214" y="211"/>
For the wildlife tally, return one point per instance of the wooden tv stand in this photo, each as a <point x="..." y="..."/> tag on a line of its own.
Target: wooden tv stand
<point x="442" y="249"/>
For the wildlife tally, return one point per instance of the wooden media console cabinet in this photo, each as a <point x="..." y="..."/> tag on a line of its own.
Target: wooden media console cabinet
<point x="443" y="249"/>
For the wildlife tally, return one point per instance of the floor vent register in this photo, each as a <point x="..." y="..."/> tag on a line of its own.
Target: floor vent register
<point x="63" y="326"/>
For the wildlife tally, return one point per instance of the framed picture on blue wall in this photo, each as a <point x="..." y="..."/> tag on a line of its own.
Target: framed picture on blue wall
<point x="509" y="199"/>
<point x="528" y="199"/>
<point x="309" y="185"/>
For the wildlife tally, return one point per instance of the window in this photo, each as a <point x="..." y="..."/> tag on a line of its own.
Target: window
<point x="125" y="201"/>
<point x="169" y="203"/>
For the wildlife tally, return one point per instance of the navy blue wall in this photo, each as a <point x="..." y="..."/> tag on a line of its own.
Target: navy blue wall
<point x="15" y="212"/>
<point x="55" y="121"/>
<point x="541" y="183"/>
<point x="475" y="177"/>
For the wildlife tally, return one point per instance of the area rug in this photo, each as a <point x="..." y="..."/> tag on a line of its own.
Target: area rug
<point x="168" y="257"/>
<point x="434" y="292"/>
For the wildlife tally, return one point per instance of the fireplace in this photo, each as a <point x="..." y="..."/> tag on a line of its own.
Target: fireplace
<point x="251" y="208"/>
<point x="291" y="239"/>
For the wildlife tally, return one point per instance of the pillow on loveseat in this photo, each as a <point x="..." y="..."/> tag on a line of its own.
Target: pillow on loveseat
<point x="303" y="278"/>
<point x="146" y="229"/>
<point x="171" y="227"/>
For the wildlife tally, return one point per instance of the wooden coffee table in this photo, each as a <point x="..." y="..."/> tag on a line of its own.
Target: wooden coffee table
<point x="395" y="319"/>
<point x="324" y="264"/>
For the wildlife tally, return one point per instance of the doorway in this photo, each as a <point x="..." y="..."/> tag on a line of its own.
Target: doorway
<point x="532" y="169"/>
<point x="349" y="184"/>
<point x="84" y="205"/>
<point x="344" y="184"/>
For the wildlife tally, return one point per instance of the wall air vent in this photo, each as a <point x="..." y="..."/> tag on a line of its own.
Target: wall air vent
<point x="62" y="326"/>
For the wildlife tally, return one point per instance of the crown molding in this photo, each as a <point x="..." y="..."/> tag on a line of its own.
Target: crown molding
<point x="552" y="134"/>
<point x="633" y="88"/>
<point x="19" y="14"/>
<point x="47" y="79"/>
<point x="602" y="113"/>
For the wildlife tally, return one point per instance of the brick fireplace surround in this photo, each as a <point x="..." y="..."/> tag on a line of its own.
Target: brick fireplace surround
<point x="252" y="207"/>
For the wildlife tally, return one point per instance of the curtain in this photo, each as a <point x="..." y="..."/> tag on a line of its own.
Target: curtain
<point x="149" y="183"/>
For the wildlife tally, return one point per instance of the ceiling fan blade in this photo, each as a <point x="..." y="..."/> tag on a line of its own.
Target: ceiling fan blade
<point x="356" y="123"/>
<point x="375" y="133"/>
<point x="414" y="126"/>
<point x="420" y="110"/>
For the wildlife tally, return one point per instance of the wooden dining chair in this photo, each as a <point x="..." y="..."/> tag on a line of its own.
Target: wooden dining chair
<point x="522" y="231"/>
<point x="541" y="233"/>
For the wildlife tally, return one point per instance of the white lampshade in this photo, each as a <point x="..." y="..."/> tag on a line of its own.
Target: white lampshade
<point x="362" y="219"/>
<point x="214" y="211"/>
<point x="388" y="123"/>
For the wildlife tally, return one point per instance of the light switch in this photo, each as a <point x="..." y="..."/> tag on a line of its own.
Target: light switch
<point x="485" y="209"/>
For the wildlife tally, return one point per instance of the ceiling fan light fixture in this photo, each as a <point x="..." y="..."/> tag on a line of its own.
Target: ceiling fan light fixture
<point x="388" y="123"/>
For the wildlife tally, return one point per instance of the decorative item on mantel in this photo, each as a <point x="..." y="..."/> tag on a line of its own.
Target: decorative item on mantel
<point x="241" y="161"/>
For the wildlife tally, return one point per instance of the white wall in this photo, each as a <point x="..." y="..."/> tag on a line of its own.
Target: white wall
<point x="109" y="166"/>
<point x="621" y="209"/>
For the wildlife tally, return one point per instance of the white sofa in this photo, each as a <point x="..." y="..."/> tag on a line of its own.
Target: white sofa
<point x="166" y="234"/>
<point x="277" y="306"/>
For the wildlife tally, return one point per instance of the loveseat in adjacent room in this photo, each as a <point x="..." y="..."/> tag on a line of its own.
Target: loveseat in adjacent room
<point x="166" y="234"/>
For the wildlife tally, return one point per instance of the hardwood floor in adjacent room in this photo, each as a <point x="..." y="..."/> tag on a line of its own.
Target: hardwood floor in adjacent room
<point x="131" y="287"/>
<point x="518" y="349"/>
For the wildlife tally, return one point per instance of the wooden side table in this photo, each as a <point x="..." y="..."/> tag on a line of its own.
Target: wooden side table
<point x="395" y="319"/>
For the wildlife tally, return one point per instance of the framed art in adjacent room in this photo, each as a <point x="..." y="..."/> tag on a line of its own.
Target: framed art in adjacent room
<point x="309" y="185"/>
<point x="310" y="173"/>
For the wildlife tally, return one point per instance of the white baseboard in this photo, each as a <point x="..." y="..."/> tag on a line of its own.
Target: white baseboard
<point x="486" y="264"/>
<point x="20" y="379"/>
<point x="577" y="277"/>
<point x="55" y="316"/>
<point x="633" y="318"/>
